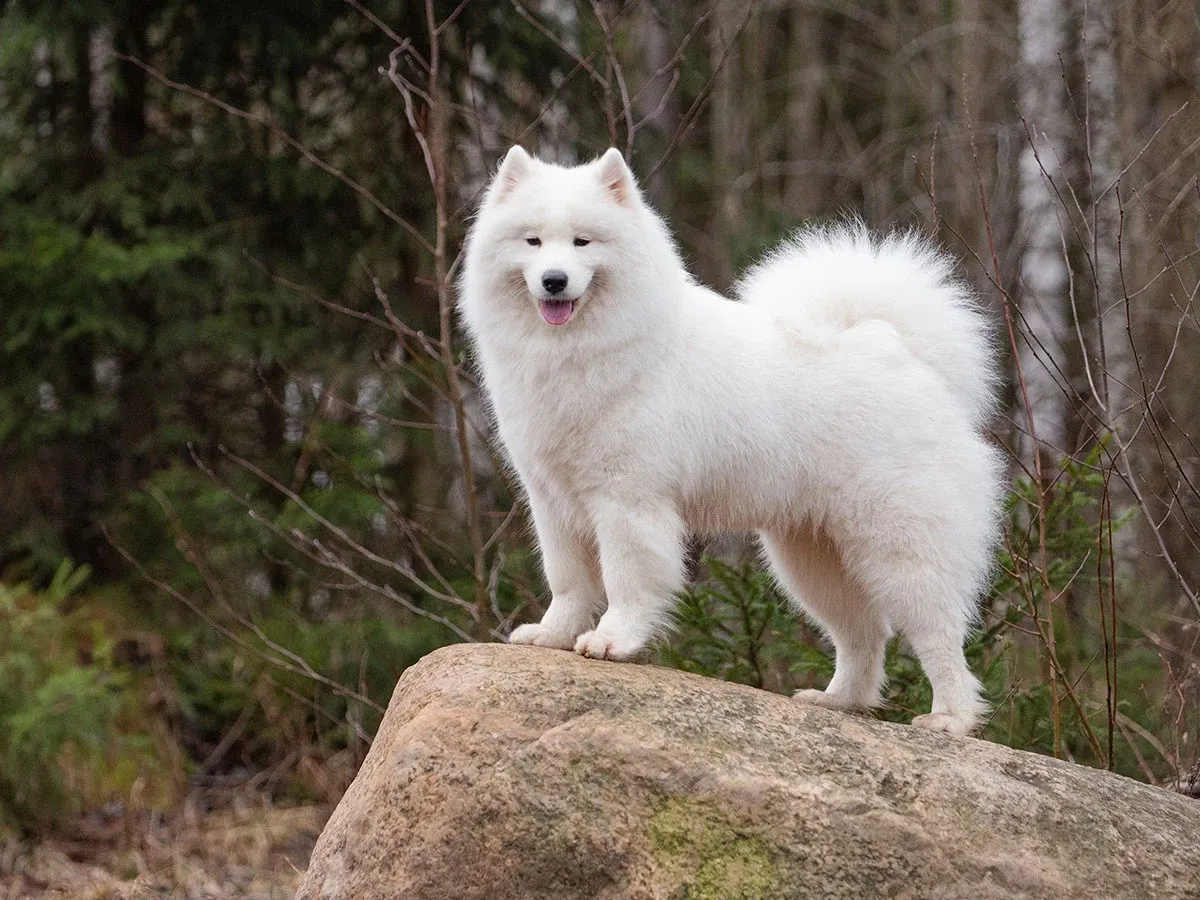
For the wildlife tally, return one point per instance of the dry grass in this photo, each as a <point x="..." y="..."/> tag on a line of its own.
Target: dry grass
<point x="248" y="849"/>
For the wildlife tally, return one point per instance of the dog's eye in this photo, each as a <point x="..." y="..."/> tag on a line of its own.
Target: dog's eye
<point x="534" y="242"/>
<point x="581" y="242"/>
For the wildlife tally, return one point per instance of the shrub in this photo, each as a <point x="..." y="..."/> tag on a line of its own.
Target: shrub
<point x="237" y="686"/>
<point x="75" y="730"/>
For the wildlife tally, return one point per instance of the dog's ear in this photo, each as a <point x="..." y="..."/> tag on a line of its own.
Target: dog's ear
<point x="617" y="179"/>
<point x="513" y="169"/>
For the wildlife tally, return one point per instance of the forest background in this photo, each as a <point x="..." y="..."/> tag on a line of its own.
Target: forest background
<point x="244" y="474"/>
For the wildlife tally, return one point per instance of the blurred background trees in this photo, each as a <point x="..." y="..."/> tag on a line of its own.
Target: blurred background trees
<point x="244" y="478"/>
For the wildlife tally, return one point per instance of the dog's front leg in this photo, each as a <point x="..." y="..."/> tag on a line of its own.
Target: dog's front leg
<point x="641" y="556"/>
<point x="573" y="574"/>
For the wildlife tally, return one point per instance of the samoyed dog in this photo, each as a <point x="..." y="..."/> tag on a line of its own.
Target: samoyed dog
<point x="836" y="409"/>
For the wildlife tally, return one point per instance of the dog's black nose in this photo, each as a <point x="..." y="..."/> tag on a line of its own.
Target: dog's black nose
<point x="554" y="281"/>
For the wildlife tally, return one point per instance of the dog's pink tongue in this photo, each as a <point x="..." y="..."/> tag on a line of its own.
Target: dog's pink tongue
<point x="556" y="312"/>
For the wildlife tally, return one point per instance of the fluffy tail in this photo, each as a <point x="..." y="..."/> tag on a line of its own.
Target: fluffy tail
<point x="835" y="277"/>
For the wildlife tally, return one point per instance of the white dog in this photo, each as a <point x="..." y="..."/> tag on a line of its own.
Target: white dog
<point x="836" y="411"/>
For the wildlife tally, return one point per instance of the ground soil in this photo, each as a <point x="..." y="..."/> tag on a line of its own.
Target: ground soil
<point x="244" y="847"/>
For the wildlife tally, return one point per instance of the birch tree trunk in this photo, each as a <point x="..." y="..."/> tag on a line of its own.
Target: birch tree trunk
<point x="1041" y="30"/>
<point x="1117" y="381"/>
<point x="1118" y="376"/>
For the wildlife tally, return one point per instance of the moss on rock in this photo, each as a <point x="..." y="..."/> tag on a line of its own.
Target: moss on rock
<point x="705" y="855"/>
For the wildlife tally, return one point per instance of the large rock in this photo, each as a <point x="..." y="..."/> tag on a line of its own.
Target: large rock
<point x="513" y="772"/>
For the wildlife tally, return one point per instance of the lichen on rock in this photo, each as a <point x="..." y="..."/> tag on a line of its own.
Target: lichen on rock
<point x="709" y="856"/>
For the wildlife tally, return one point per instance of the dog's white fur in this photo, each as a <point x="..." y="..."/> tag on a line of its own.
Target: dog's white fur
<point x="836" y="411"/>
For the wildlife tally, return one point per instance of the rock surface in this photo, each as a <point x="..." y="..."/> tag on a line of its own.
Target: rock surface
<point x="515" y="772"/>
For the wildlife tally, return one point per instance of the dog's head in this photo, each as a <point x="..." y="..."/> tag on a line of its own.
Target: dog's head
<point x="557" y="234"/>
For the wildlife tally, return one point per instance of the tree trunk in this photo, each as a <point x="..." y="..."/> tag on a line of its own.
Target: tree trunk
<point x="803" y="190"/>
<point x="100" y="66"/>
<point x="728" y="137"/>
<point x="1118" y="376"/>
<point x="656" y="108"/>
<point x="1043" y="267"/>
<point x="129" y="108"/>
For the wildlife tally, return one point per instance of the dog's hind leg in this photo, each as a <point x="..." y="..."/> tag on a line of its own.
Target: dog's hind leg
<point x="937" y="634"/>
<point x="807" y="564"/>
<point x="927" y="591"/>
<point x="957" y="705"/>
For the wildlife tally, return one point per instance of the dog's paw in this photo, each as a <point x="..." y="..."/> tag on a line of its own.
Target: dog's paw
<point x="605" y="645"/>
<point x="950" y="724"/>
<point x="814" y="697"/>
<point x="541" y="636"/>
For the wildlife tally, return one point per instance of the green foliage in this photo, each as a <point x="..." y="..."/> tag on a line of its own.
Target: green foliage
<point x="79" y="727"/>
<point x="272" y="696"/>
<point x="1055" y="635"/>
<point x="737" y="626"/>
<point x="1073" y="528"/>
<point x="151" y="261"/>
<point x="68" y="710"/>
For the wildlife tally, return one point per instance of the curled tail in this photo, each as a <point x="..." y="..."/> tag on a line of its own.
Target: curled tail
<point x="837" y="276"/>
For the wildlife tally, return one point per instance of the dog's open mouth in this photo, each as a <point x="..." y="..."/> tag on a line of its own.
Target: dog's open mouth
<point x="556" y="312"/>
